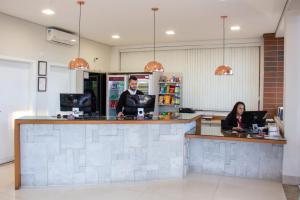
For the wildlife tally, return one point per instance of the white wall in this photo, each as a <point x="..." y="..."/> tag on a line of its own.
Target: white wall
<point x="201" y="88"/>
<point x="26" y="40"/>
<point x="291" y="162"/>
<point x="61" y="80"/>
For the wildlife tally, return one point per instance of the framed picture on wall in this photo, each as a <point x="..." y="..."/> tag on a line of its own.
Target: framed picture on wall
<point x="42" y="84"/>
<point x="42" y="68"/>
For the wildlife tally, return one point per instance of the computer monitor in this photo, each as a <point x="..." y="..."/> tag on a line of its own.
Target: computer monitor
<point x="81" y="101"/>
<point x="133" y="102"/>
<point x="255" y="117"/>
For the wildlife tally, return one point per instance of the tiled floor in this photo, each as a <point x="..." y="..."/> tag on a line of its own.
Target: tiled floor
<point x="193" y="187"/>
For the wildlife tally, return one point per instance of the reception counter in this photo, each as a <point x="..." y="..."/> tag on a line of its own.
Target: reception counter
<point x="51" y="151"/>
<point x="213" y="153"/>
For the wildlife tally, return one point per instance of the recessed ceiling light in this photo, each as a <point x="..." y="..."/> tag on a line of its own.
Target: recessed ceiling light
<point x="170" y="32"/>
<point x="115" y="36"/>
<point x="235" y="28"/>
<point x="73" y="40"/>
<point x="48" y="12"/>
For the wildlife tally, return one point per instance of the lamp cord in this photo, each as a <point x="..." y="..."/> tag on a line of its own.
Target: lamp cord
<point x="223" y="40"/>
<point x="154" y="33"/>
<point x="79" y="30"/>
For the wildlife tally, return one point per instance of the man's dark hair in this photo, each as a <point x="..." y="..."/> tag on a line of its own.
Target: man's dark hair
<point x="132" y="78"/>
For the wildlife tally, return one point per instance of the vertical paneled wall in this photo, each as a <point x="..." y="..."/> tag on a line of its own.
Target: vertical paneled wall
<point x="201" y="88"/>
<point x="204" y="90"/>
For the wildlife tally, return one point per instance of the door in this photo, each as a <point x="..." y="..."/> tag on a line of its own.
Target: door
<point x="96" y="83"/>
<point x="116" y="85"/>
<point x="16" y="88"/>
<point x="143" y="83"/>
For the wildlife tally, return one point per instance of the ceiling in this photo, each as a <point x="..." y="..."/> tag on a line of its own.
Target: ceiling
<point x="192" y="20"/>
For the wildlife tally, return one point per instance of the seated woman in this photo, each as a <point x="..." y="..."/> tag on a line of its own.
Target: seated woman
<point x="234" y="120"/>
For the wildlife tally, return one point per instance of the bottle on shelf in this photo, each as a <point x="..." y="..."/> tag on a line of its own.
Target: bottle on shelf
<point x="177" y="89"/>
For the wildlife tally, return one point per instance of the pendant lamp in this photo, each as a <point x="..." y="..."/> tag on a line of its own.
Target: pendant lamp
<point x="223" y="69"/>
<point x="79" y="63"/>
<point x="154" y="66"/>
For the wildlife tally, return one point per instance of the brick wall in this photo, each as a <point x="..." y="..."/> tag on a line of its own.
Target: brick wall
<point x="273" y="72"/>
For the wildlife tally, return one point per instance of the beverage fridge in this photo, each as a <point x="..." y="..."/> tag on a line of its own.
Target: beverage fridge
<point x="95" y="84"/>
<point x="117" y="83"/>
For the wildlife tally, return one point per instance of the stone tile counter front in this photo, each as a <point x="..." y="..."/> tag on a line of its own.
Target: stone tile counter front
<point x="60" y="152"/>
<point x="212" y="153"/>
<point x="52" y="151"/>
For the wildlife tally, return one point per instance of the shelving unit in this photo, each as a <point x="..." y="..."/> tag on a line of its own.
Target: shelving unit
<point x="167" y="94"/>
<point x="169" y="83"/>
<point x="170" y="92"/>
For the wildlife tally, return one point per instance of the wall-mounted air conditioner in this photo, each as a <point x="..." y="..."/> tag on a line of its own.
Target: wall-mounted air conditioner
<point x="61" y="37"/>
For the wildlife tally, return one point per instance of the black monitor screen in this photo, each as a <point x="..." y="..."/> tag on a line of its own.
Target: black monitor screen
<point x="133" y="102"/>
<point x="81" y="101"/>
<point x="255" y="117"/>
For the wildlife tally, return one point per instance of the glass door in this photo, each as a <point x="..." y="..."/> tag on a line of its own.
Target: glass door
<point x="143" y="82"/>
<point x="116" y="85"/>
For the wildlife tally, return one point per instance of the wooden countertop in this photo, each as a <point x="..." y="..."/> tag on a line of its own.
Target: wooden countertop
<point x="212" y="137"/>
<point x="212" y="131"/>
<point x="183" y="118"/>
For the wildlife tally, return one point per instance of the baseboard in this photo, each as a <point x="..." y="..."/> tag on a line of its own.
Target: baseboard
<point x="6" y="160"/>
<point x="291" y="180"/>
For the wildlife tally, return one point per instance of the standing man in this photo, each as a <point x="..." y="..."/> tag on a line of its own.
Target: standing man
<point x="132" y="90"/>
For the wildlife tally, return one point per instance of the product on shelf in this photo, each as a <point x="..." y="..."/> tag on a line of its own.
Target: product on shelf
<point x="168" y="115"/>
<point x="113" y="104"/>
<point x="164" y="89"/>
<point x="163" y="79"/>
<point x="171" y="89"/>
<point x="161" y="100"/>
<point x="177" y="89"/>
<point x="170" y="79"/>
<point x="168" y="89"/>
<point x="173" y="100"/>
<point x="177" y="101"/>
<point x="167" y="100"/>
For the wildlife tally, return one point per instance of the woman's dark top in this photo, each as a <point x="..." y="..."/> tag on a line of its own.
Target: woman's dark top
<point x="232" y="121"/>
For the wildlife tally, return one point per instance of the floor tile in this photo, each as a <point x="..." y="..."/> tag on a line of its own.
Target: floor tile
<point x="193" y="187"/>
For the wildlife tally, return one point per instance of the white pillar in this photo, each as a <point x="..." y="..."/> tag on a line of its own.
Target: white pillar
<point x="291" y="158"/>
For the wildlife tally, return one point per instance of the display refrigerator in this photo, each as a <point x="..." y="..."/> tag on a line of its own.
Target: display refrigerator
<point x="143" y="82"/>
<point x="95" y="83"/>
<point x="147" y="82"/>
<point x="116" y="84"/>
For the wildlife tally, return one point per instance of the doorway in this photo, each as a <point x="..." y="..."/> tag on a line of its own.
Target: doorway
<point x="16" y="100"/>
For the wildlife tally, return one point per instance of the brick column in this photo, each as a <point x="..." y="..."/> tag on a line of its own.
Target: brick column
<point x="273" y="72"/>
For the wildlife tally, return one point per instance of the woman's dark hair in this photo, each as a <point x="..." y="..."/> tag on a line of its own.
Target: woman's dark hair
<point x="234" y="110"/>
<point x="132" y="78"/>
